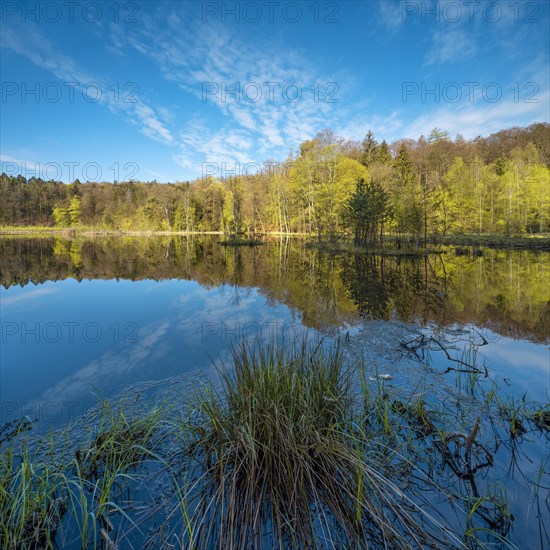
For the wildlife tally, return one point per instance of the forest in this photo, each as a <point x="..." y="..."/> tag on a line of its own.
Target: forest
<point x="332" y="186"/>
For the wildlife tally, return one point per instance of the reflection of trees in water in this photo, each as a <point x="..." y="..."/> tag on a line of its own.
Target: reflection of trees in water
<point x="383" y="287"/>
<point x="505" y="290"/>
<point x="234" y="260"/>
<point x="371" y="284"/>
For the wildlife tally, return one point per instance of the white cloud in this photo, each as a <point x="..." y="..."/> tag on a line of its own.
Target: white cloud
<point x="392" y="14"/>
<point x="198" y="144"/>
<point x="188" y="54"/>
<point x="191" y="56"/>
<point x="26" y="41"/>
<point x="450" y="45"/>
<point x="475" y="119"/>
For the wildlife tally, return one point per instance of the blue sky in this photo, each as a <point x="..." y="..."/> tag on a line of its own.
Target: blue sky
<point x="104" y="90"/>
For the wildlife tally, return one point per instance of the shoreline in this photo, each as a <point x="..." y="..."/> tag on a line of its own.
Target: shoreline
<point x="537" y="242"/>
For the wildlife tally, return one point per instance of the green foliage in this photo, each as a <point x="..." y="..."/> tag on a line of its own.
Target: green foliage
<point x="61" y="216"/>
<point x="384" y="155"/>
<point x="67" y="215"/>
<point x="369" y="149"/>
<point x="440" y="186"/>
<point x="368" y="209"/>
<point x="74" y="211"/>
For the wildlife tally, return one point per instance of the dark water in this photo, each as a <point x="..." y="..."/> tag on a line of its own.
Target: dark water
<point x="87" y="318"/>
<point x="82" y="318"/>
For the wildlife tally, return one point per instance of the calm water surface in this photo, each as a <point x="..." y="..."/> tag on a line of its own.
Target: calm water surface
<point x="85" y="318"/>
<point x="88" y="318"/>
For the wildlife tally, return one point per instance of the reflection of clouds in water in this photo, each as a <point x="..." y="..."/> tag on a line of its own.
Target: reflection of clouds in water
<point x="111" y="366"/>
<point x="524" y="365"/>
<point x="174" y="342"/>
<point x="151" y="288"/>
<point x="26" y="296"/>
<point x="214" y="315"/>
<point x="210" y="322"/>
<point x="527" y="365"/>
<point x="188" y="299"/>
<point x="522" y="355"/>
<point x="158" y="344"/>
<point x="215" y="298"/>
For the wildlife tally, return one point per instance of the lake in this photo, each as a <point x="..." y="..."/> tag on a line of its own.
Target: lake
<point x="89" y="318"/>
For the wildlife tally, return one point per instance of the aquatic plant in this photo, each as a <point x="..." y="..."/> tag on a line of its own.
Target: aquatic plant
<point x="284" y="456"/>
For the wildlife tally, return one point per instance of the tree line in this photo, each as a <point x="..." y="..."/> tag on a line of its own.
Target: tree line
<point x="329" y="187"/>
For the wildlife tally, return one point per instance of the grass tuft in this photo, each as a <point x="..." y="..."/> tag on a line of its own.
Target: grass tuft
<point x="284" y="457"/>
